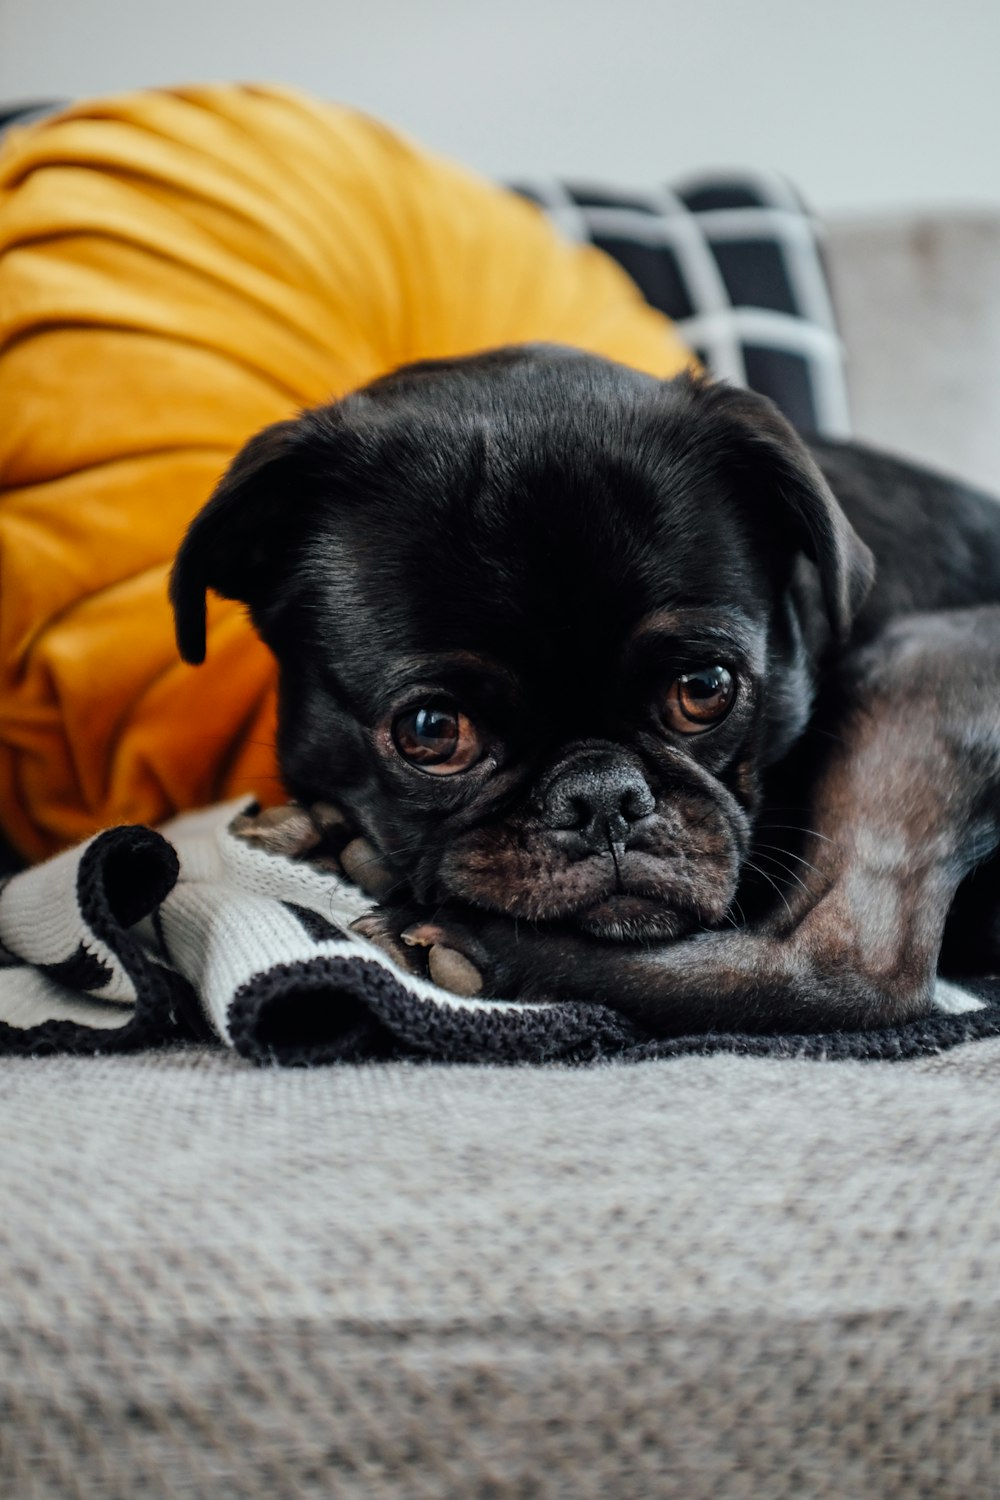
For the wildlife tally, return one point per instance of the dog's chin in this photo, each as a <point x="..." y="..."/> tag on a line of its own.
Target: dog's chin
<point x="624" y="918"/>
<point x="636" y="901"/>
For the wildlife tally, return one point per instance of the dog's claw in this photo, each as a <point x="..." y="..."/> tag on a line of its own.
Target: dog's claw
<point x="423" y="935"/>
<point x="447" y="967"/>
<point x="423" y="949"/>
<point x="374" y="927"/>
<point x="362" y="863"/>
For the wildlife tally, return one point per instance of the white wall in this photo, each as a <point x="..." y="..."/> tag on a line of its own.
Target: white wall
<point x="865" y="103"/>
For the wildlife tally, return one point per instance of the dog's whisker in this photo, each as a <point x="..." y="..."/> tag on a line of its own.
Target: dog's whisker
<point x="378" y="854"/>
<point x="757" y="870"/>
<point x="728" y="916"/>
<point x="828" y="734"/>
<point x="386" y="893"/>
<point x="813" y="833"/>
<point x="778" y="848"/>
<point x="789" y="874"/>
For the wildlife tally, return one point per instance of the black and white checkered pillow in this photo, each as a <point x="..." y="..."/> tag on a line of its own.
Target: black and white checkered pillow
<point x="735" y="261"/>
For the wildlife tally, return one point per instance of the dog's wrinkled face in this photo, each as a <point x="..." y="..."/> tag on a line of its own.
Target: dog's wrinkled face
<point x="541" y="622"/>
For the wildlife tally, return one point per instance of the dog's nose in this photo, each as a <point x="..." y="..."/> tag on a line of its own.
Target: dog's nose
<point x="601" y="805"/>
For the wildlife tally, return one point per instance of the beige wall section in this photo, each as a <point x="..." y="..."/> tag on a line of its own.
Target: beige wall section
<point x="866" y="103"/>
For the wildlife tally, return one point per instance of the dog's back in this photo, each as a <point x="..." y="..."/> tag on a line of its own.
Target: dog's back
<point x="936" y="542"/>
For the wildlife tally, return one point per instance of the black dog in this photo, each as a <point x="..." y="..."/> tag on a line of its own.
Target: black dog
<point x="596" y="667"/>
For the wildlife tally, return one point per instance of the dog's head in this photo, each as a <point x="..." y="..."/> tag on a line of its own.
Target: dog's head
<point x="541" y="623"/>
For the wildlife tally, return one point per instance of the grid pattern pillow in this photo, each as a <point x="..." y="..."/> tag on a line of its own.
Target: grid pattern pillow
<point x="735" y="260"/>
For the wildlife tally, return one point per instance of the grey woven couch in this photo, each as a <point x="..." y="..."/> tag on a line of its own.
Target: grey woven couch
<point x="708" y="1276"/>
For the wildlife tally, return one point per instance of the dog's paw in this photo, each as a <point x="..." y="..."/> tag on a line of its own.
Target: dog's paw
<point x="455" y="959"/>
<point x="381" y="927"/>
<point x="320" y="835"/>
<point x="287" y="830"/>
<point x="350" y="854"/>
<point x="460" y="954"/>
<point x="362" y="863"/>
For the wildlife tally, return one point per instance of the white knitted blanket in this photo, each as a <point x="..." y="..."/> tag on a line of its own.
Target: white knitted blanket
<point x="141" y="936"/>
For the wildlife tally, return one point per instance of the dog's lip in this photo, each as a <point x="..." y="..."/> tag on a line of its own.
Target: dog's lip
<point x="637" y="893"/>
<point x="624" y="915"/>
<point x="623" y="906"/>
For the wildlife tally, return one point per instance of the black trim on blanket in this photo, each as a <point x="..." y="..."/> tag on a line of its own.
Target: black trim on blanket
<point x="123" y="875"/>
<point x="318" y="927"/>
<point x="932" y="1034"/>
<point x="328" y="1010"/>
<point x="83" y="970"/>
<point x="313" y="1012"/>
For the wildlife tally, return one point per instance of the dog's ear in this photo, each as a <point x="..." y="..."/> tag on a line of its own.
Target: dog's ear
<point x="232" y="544"/>
<point x="773" y="465"/>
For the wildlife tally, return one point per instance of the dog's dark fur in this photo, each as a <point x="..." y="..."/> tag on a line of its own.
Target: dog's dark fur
<point x="550" y="545"/>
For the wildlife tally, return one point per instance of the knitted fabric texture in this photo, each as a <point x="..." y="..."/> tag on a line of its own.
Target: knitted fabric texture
<point x="178" y="269"/>
<point x="141" y="937"/>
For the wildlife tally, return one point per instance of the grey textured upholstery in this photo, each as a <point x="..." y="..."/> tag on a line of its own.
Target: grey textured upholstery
<point x="711" y="1276"/>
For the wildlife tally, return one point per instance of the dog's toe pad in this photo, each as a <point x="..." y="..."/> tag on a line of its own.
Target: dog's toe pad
<point x="363" y="864"/>
<point x="454" y="972"/>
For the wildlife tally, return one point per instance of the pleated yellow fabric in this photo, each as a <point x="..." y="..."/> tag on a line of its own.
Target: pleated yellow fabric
<point x="178" y="268"/>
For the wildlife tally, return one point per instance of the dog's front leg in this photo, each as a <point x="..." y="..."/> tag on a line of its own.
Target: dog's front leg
<point x="906" y="803"/>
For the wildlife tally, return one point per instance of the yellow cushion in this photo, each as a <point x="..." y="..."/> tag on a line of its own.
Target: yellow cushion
<point x="178" y="268"/>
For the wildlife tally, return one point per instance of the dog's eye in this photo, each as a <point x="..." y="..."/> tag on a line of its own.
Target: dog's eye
<point x="699" y="700"/>
<point x="437" y="737"/>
